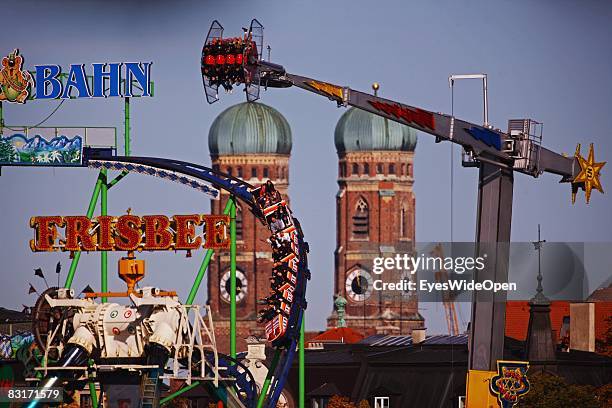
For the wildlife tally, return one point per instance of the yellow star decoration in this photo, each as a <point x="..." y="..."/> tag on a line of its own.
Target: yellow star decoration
<point x="588" y="178"/>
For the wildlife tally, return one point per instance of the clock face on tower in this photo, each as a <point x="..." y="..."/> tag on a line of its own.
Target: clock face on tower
<point x="359" y="285"/>
<point x="241" y="286"/>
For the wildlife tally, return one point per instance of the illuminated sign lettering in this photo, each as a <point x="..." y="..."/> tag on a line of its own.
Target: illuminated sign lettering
<point x="130" y="233"/>
<point x="122" y="79"/>
<point x="417" y="116"/>
<point x="105" y="80"/>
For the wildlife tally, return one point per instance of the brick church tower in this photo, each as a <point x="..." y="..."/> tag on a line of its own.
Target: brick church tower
<point x="251" y="141"/>
<point x="375" y="216"/>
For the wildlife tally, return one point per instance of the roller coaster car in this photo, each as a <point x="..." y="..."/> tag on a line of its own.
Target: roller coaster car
<point x="282" y="272"/>
<point x="232" y="61"/>
<point x="267" y="197"/>
<point x="280" y="220"/>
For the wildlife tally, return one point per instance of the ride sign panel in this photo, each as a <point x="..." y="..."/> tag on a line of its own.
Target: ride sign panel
<point x="130" y="233"/>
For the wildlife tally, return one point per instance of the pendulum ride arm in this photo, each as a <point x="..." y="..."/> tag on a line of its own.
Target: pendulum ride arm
<point x="485" y="144"/>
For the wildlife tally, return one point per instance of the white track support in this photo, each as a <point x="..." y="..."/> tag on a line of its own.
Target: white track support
<point x="199" y="336"/>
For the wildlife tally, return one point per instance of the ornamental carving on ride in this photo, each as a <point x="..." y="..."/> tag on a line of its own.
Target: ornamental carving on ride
<point x="510" y="382"/>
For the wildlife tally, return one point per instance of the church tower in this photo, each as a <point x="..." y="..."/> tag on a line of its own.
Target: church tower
<point x="375" y="215"/>
<point x="251" y="141"/>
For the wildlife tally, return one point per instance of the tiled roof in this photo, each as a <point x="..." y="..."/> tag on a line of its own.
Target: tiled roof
<point x="344" y="335"/>
<point x="517" y="318"/>
<point x="379" y="340"/>
<point x="13" y="316"/>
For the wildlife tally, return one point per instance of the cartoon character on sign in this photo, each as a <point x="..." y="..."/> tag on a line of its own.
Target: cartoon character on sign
<point x="510" y="382"/>
<point x="14" y="83"/>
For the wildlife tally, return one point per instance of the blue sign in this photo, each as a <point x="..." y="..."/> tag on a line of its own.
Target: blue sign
<point x="488" y="137"/>
<point x="101" y="80"/>
<point x="106" y="81"/>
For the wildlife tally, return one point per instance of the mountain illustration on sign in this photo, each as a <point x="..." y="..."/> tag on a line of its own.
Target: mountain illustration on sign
<point x="17" y="148"/>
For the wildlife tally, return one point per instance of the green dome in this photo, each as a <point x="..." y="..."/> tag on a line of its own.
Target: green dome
<point x="249" y="128"/>
<point x="358" y="130"/>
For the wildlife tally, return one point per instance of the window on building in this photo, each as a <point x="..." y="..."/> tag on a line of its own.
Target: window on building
<point x="355" y="169"/>
<point x="382" y="402"/>
<point x="410" y="169"/>
<point x="392" y="168"/>
<point x="361" y="220"/>
<point x="229" y="170"/>
<point x="403" y="170"/>
<point x="366" y="169"/>
<point x="215" y="167"/>
<point x="379" y="168"/>
<point x="254" y="172"/>
<point x="239" y="172"/>
<point x="266" y="173"/>
<point x="343" y="170"/>
<point x="403" y="223"/>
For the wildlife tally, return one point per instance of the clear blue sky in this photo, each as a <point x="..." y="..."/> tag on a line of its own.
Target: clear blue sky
<point x="548" y="60"/>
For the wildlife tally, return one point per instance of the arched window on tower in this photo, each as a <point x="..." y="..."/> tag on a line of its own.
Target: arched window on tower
<point x="379" y="168"/>
<point x="403" y="223"/>
<point x="266" y="172"/>
<point x="229" y="171"/>
<point x="391" y="168"/>
<point x="366" y="169"/>
<point x="361" y="220"/>
<point x="239" y="228"/>
<point x="355" y="169"/>
<point x="239" y="171"/>
<point x="403" y="170"/>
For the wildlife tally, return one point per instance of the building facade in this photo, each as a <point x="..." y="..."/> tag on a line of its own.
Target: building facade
<point x="251" y="141"/>
<point x="375" y="214"/>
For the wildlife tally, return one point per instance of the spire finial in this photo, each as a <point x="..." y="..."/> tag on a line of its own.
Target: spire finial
<point x="539" y="297"/>
<point x="375" y="87"/>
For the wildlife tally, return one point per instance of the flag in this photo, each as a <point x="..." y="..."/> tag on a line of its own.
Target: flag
<point x="58" y="268"/>
<point x="32" y="290"/>
<point x="39" y="272"/>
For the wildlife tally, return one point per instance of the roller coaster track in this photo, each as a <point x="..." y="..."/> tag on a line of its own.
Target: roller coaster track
<point x="209" y="181"/>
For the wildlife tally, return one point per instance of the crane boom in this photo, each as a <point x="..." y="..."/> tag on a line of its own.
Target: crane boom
<point x="484" y="143"/>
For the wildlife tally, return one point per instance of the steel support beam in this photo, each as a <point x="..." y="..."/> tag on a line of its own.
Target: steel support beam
<point x="233" y="277"/>
<point x="492" y="238"/>
<point x="104" y="254"/>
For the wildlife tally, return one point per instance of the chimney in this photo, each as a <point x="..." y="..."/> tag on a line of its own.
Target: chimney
<point x="582" y="326"/>
<point x="418" y="335"/>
